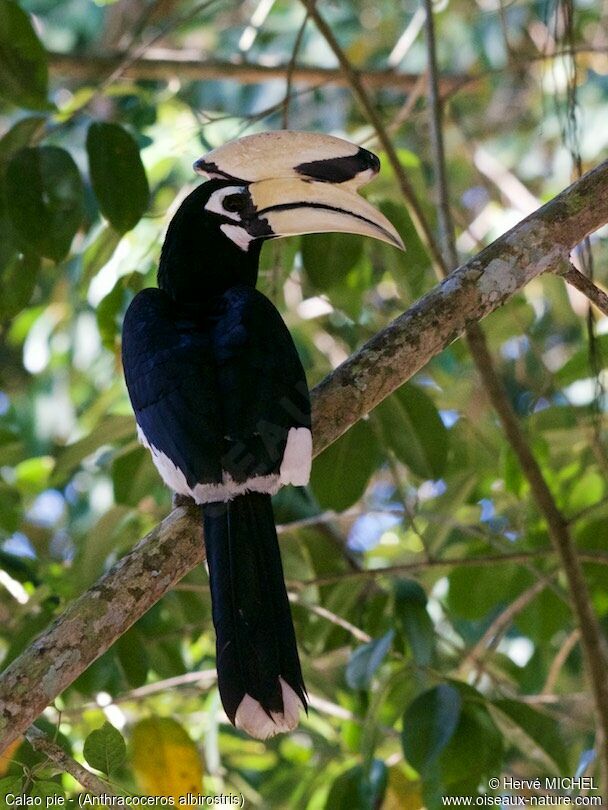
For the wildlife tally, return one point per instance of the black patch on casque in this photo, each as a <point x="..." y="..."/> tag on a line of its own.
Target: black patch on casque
<point x="340" y="169"/>
<point x="209" y="167"/>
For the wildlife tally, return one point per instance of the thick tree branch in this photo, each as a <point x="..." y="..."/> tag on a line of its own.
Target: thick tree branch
<point x="94" y="621"/>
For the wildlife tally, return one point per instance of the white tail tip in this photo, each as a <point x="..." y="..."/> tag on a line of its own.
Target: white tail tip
<point x="253" y="719"/>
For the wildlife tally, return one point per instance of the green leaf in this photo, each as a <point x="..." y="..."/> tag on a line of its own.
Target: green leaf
<point x="113" y="428"/>
<point x="429" y="724"/>
<point x="10" y="785"/>
<point x="105" y="749"/>
<point x="99" y="252"/>
<point x="133" y="658"/>
<point x="23" y="60"/>
<point x="340" y="474"/>
<point x="133" y="475"/>
<point x="20" y="135"/>
<point x="46" y="789"/>
<point x="10" y="508"/>
<point x="412" y="428"/>
<point x="409" y="269"/>
<point x="366" y="659"/>
<point x="46" y="200"/>
<point x="118" y="175"/>
<point x="328" y="257"/>
<point x="359" y="789"/>
<point x="18" y="279"/>
<point x="414" y="621"/>
<point x="578" y="367"/>
<point x="543" y="730"/>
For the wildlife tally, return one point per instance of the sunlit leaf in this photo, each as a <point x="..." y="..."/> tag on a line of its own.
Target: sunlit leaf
<point x="165" y="760"/>
<point x="105" y="749"/>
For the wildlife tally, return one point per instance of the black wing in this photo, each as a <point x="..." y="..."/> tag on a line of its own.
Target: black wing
<point x="261" y="383"/>
<point x="216" y="388"/>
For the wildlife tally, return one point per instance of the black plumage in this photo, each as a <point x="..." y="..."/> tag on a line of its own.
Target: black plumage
<point x="216" y="384"/>
<point x="219" y="392"/>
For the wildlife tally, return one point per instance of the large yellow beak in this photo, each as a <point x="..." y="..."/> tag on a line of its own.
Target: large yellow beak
<point x="301" y="182"/>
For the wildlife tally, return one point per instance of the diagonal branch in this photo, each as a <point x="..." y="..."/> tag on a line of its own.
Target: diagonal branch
<point x="92" y="623"/>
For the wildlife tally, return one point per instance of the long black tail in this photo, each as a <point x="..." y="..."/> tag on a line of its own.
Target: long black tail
<point x="259" y="674"/>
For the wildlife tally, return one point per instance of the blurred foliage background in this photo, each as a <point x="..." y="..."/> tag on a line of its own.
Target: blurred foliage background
<point x="432" y="664"/>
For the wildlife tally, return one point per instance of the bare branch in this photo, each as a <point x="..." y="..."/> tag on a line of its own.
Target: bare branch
<point x="587" y="287"/>
<point x="162" y="65"/>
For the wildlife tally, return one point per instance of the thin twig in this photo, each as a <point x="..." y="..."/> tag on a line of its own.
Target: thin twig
<point x="44" y="745"/>
<point x="559" y="661"/>
<point x="584" y="285"/>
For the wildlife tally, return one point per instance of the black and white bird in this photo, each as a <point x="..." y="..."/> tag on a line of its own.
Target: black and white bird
<point x="220" y="395"/>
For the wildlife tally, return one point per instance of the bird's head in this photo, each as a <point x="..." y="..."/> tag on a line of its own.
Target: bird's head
<point x="267" y="186"/>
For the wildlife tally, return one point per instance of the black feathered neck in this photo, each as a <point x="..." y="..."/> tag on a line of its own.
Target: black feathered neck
<point x="198" y="260"/>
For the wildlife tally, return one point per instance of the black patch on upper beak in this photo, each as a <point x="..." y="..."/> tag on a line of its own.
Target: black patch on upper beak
<point x="340" y="169"/>
<point x="209" y="167"/>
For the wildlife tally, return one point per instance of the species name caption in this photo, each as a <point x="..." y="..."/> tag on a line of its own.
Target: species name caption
<point x="104" y="799"/>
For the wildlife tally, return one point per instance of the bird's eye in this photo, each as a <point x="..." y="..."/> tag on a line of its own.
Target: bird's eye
<point x="234" y="202"/>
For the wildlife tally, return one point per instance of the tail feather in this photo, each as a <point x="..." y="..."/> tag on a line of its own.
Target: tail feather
<point x="259" y="674"/>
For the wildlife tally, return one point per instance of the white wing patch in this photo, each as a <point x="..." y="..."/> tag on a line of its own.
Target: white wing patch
<point x="297" y="459"/>
<point x="207" y="493"/>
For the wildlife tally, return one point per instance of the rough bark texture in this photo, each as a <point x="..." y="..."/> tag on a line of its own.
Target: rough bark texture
<point x="94" y="621"/>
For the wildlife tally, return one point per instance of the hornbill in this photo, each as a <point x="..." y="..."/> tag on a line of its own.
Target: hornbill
<point x="220" y="395"/>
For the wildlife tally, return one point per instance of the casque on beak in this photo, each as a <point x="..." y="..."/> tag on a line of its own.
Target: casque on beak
<point x="302" y="182"/>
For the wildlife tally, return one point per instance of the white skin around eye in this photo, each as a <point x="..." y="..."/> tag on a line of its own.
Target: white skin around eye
<point x="215" y="203"/>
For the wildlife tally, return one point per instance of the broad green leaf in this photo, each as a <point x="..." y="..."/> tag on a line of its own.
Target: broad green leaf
<point x="133" y="657"/>
<point x="542" y="729"/>
<point x="412" y="428"/>
<point x="133" y="475"/>
<point x="9" y="785"/>
<point x="18" y="279"/>
<point x="366" y="659"/>
<point x="23" y="60"/>
<point x="113" y="428"/>
<point x="340" y="474"/>
<point x="429" y="724"/>
<point x="105" y="749"/>
<point x="328" y="257"/>
<point x="409" y="269"/>
<point x="45" y="200"/>
<point x="414" y="621"/>
<point x="165" y="760"/>
<point x="475" y="749"/>
<point x="477" y="590"/>
<point x="358" y="788"/>
<point x="118" y="175"/>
